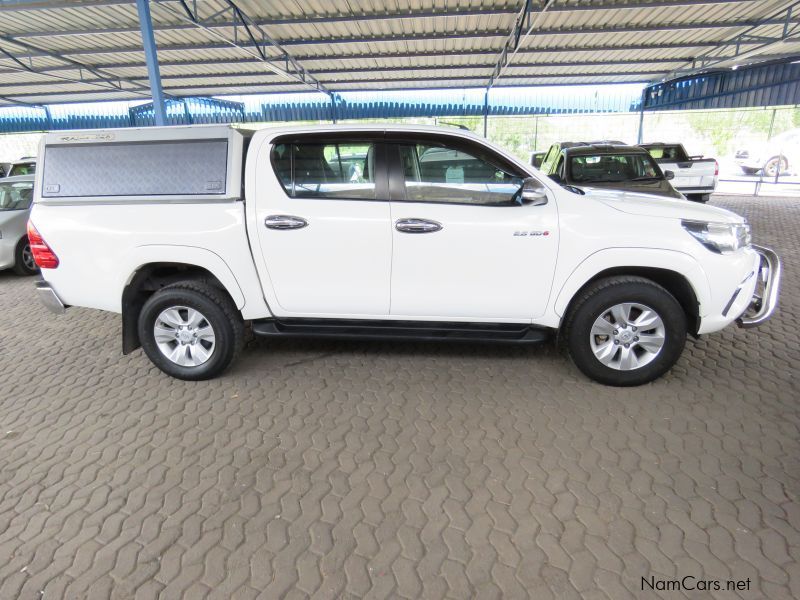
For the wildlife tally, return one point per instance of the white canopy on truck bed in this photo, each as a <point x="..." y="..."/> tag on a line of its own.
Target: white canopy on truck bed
<point x="174" y="164"/>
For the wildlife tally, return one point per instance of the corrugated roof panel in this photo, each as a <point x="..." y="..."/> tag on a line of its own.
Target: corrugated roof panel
<point x="466" y="34"/>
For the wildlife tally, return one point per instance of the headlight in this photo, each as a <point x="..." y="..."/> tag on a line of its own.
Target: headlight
<point x="719" y="237"/>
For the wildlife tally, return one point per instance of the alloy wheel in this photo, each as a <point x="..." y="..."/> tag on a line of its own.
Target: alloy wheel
<point x="184" y="336"/>
<point x="627" y="336"/>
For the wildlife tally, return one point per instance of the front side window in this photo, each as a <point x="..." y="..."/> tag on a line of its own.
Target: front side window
<point x="16" y="196"/>
<point x="439" y="173"/>
<point x="326" y="170"/>
<point x="613" y="168"/>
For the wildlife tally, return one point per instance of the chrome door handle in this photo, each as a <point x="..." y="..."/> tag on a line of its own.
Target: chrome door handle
<point x="417" y="226"/>
<point x="285" y="222"/>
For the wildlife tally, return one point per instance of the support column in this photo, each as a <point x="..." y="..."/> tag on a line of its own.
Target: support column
<point x="151" y="56"/>
<point x="485" y="113"/>
<point x="641" y="117"/>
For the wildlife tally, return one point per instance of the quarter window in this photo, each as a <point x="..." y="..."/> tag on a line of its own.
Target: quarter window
<point x="334" y="170"/>
<point x="437" y="173"/>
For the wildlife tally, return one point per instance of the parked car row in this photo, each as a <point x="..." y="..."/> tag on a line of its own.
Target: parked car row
<point x="658" y="169"/>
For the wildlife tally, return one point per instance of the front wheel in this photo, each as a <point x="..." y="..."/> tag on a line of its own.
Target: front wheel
<point x="625" y="331"/>
<point x="23" y="258"/>
<point x="190" y="330"/>
<point x="775" y="166"/>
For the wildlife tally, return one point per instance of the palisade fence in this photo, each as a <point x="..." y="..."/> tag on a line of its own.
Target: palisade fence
<point x="712" y="133"/>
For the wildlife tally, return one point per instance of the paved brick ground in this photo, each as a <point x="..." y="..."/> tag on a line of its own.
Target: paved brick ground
<point x="340" y="470"/>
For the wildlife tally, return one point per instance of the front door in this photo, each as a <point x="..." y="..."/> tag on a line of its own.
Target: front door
<point x="464" y="247"/>
<point x="323" y="227"/>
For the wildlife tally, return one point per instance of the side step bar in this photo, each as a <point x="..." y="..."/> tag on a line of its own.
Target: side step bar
<point x="515" y="333"/>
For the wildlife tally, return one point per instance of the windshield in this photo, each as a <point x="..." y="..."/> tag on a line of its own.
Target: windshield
<point x="613" y="168"/>
<point x="16" y="196"/>
<point x="28" y="168"/>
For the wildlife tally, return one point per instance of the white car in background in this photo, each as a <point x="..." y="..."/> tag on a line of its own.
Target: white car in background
<point x="693" y="176"/>
<point x="16" y="195"/>
<point x="780" y="154"/>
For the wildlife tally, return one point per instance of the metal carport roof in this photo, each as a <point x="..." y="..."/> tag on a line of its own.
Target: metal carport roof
<point x="79" y="51"/>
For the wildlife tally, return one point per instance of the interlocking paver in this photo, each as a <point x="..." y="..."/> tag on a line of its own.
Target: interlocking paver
<point x="349" y="470"/>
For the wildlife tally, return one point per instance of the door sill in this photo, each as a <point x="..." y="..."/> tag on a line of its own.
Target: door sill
<point x="357" y="329"/>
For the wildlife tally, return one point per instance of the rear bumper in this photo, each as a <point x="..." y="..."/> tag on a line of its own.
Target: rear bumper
<point x="698" y="189"/>
<point x="765" y="296"/>
<point x="49" y="298"/>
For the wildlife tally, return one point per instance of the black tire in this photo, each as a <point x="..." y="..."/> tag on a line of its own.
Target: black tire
<point x="749" y="170"/>
<point x="703" y="198"/>
<point x="22" y="256"/>
<point x="776" y="163"/>
<point x="219" y="312"/>
<point x="601" y="295"/>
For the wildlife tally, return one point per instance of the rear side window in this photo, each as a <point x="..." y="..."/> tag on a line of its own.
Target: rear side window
<point x="668" y="153"/>
<point x="150" y="168"/>
<point x="328" y="170"/>
<point x="22" y="169"/>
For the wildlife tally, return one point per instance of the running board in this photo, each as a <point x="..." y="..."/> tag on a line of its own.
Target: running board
<point x="515" y="333"/>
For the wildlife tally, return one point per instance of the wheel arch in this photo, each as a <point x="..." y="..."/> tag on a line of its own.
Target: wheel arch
<point x="672" y="281"/>
<point x="148" y="278"/>
<point x="678" y="273"/>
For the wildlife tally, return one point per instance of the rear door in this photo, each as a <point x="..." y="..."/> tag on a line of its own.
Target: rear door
<point x="323" y="225"/>
<point x="464" y="249"/>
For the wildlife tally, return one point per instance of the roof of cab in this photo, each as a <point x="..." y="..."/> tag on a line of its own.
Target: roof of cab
<point x="17" y="179"/>
<point x="594" y="149"/>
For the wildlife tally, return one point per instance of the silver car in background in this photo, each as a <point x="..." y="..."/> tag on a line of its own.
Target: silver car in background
<point x="16" y="195"/>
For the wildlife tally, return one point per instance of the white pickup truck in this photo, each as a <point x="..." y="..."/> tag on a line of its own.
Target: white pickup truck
<point x="693" y="176"/>
<point x="377" y="232"/>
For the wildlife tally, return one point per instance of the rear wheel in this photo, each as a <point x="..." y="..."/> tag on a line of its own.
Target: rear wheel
<point x="625" y="331"/>
<point x="191" y="330"/>
<point x="23" y="258"/>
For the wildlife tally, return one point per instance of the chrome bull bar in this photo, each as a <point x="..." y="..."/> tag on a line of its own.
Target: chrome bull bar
<point x="765" y="297"/>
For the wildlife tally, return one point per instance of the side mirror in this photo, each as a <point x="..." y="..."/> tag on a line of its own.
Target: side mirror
<point x="669" y="175"/>
<point x="533" y="192"/>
